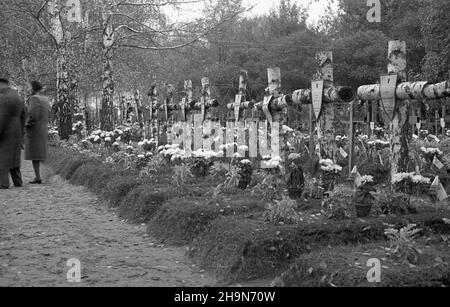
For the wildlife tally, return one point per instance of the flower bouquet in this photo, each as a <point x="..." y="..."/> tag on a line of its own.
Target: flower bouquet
<point x="378" y="145"/>
<point x="364" y="198"/>
<point x="330" y="173"/>
<point x="172" y="153"/>
<point x="245" y="174"/>
<point x="341" y="141"/>
<point x="409" y="182"/>
<point x="148" y="145"/>
<point x="430" y="153"/>
<point x="296" y="178"/>
<point x="202" y="162"/>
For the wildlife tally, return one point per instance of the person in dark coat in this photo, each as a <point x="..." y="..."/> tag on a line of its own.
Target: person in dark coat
<point x="12" y="118"/>
<point x="36" y="129"/>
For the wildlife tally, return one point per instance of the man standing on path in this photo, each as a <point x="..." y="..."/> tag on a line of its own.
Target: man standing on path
<point x="12" y="121"/>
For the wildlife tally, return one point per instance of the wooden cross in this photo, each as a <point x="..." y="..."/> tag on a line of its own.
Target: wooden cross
<point x="240" y="102"/>
<point x="137" y="99"/>
<point x="187" y="99"/>
<point x="206" y="96"/>
<point x="169" y="106"/>
<point x="165" y="98"/>
<point x="273" y="91"/>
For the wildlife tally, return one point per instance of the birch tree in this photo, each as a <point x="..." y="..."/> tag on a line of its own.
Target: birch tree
<point x="49" y="15"/>
<point x="139" y="24"/>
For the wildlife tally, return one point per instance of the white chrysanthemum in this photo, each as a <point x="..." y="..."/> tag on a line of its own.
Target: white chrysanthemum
<point x="287" y="129"/>
<point x="174" y="146"/>
<point x="367" y="179"/>
<point x="415" y="178"/>
<point x="246" y="161"/>
<point x="204" y="154"/>
<point x="274" y="162"/>
<point x="176" y="154"/>
<point x="434" y="138"/>
<point x="436" y="151"/>
<point x="364" y="137"/>
<point x="328" y="165"/>
<point x="326" y="162"/>
<point x="243" y="148"/>
<point x="116" y="144"/>
<point x="397" y="178"/>
<point x="294" y="156"/>
<point x="420" y="179"/>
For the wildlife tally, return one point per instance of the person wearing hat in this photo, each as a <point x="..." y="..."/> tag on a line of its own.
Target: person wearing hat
<point x="36" y="128"/>
<point x="12" y="118"/>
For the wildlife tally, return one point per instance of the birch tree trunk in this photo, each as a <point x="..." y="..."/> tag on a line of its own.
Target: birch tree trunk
<point x="339" y="94"/>
<point x="400" y="123"/>
<point x="326" y="71"/>
<point x="405" y="90"/>
<point x="64" y="107"/>
<point x="106" y="115"/>
<point x="400" y="138"/>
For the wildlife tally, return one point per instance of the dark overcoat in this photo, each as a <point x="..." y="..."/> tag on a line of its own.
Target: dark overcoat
<point x="36" y="128"/>
<point x="12" y="118"/>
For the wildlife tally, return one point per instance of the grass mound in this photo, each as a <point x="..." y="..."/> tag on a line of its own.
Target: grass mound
<point x="141" y="204"/>
<point x="58" y="158"/>
<point x="347" y="267"/>
<point x="181" y="220"/>
<point x="93" y="175"/>
<point x="118" y="187"/>
<point x="242" y="249"/>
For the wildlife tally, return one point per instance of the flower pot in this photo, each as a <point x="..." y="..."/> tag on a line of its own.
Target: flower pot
<point x="363" y="210"/>
<point x="295" y="193"/>
<point x="243" y="184"/>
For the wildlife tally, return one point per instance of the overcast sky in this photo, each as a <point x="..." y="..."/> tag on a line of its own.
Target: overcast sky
<point x="261" y="7"/>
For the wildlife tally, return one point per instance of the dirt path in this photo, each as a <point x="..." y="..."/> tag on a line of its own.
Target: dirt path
<point x="41" y="227"/>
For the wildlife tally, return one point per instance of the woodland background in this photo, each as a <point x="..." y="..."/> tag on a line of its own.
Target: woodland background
<point x="123" y="46"/>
